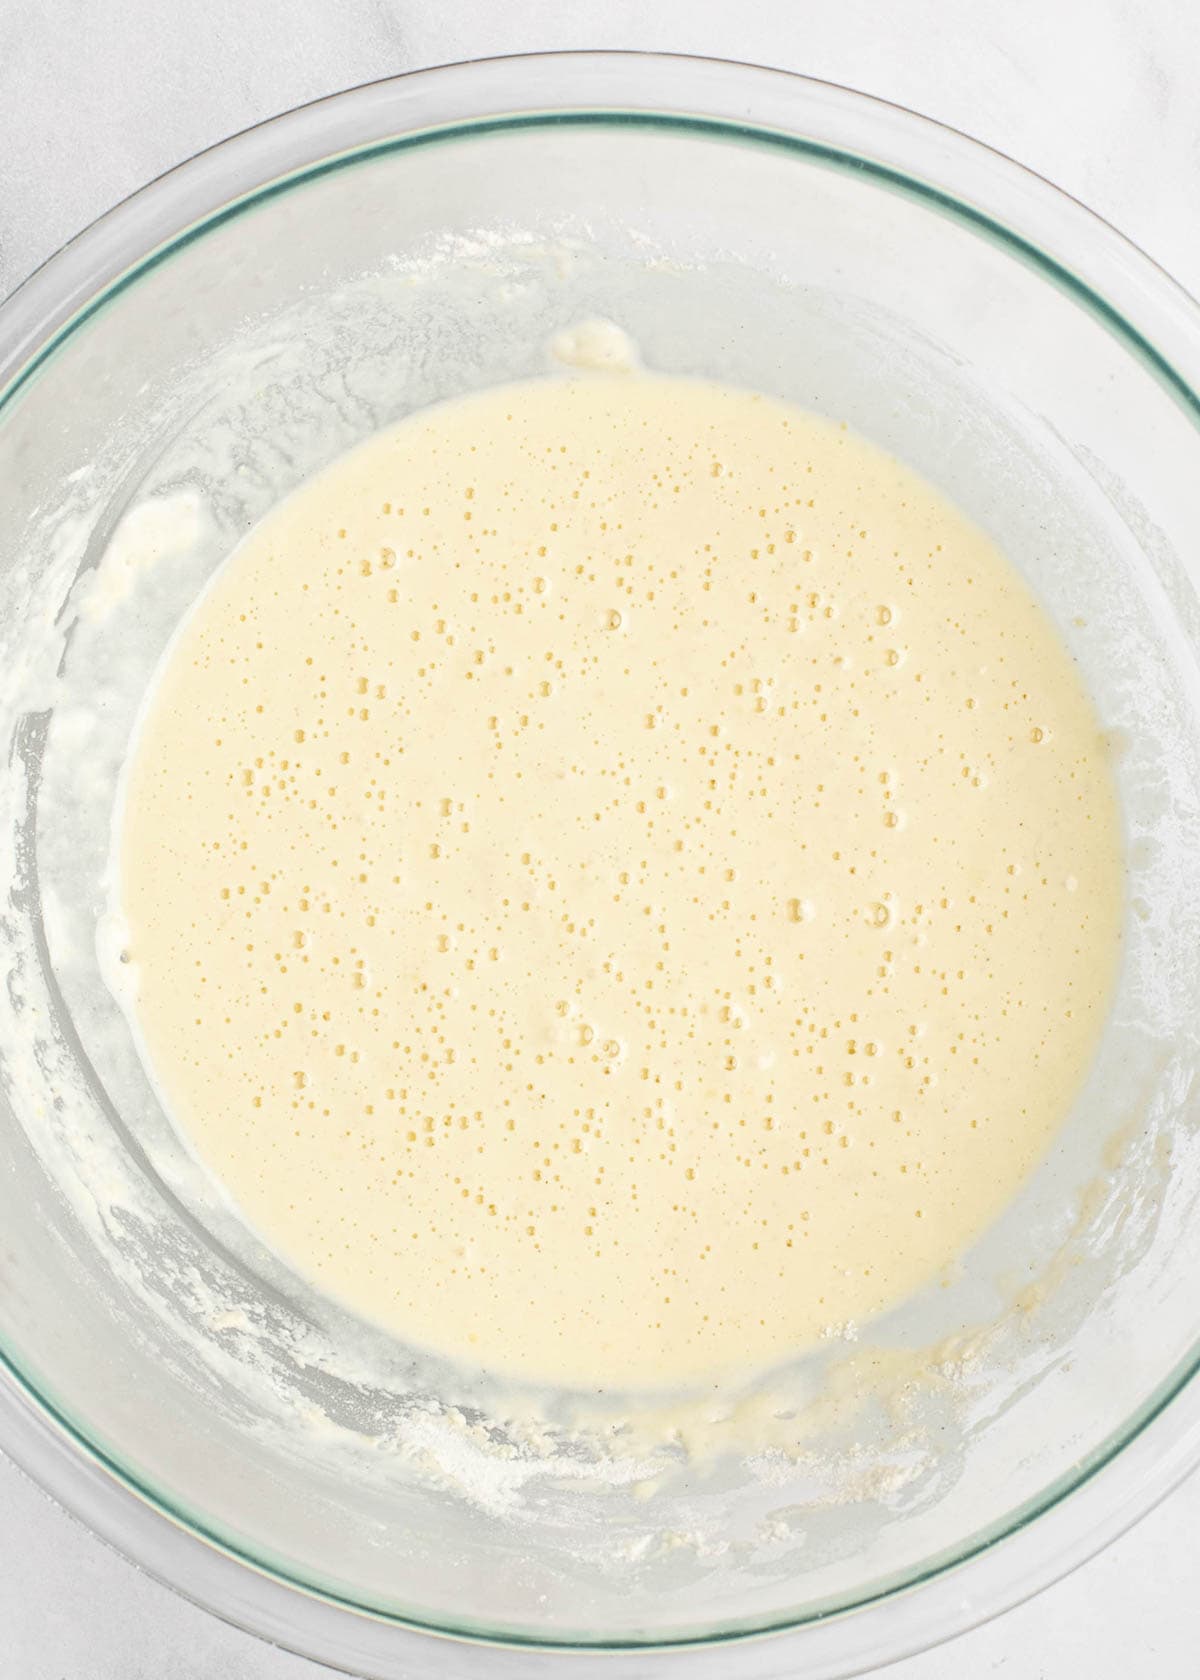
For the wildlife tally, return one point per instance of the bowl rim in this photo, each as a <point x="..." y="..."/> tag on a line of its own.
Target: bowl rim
<point x="1070" y="247"/>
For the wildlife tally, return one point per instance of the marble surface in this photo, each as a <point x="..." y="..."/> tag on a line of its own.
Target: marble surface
<point x="1098" y="95"/>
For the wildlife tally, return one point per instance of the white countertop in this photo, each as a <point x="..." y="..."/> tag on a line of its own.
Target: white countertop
<point x="1098" y="95"/>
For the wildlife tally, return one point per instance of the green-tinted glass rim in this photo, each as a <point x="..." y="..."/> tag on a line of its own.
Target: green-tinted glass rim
<point x="970" y="216"/>
<point x="976" y="221"/>
<point x="938" y="1566"/>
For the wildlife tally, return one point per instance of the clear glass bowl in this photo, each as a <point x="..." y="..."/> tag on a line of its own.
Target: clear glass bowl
<point x="218" y="337"/>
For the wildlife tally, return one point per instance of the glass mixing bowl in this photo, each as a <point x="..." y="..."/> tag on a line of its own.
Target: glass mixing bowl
<point x="169" y="376"/>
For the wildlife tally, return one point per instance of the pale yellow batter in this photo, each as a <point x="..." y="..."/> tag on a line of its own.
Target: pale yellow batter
<point x="622" y="877"/>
